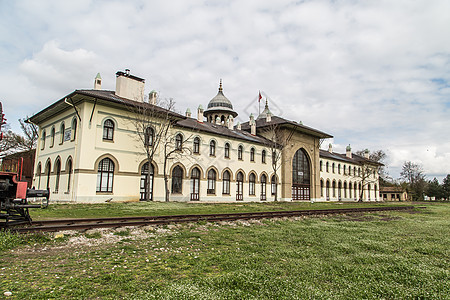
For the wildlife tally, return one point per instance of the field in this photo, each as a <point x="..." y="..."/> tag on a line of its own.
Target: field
<point x="390" y="255"/>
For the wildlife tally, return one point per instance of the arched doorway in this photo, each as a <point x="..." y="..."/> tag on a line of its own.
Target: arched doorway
<point x="300" y="176"/>
<point x="195" y="184"/>
<point x="239" y="186"/>
<point x="146" y="189"/>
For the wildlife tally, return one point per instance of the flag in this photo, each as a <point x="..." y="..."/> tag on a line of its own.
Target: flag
<point x="260" y="97"/>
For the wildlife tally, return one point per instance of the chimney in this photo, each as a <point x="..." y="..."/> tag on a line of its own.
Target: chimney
<point x="188" y="113"/>
<point x="238" y="126"/>
<point x="200" y="114"/>
<point x="349" y="151"/>
<point x="152" y="97"/>
<point x="252" y="125"/>
<point x="129" y="86"/>
<point x="330" y="148"/>
<point x="268" y="117"/>
<point x="230" y="122"/>
<point x="98" y="82"/>
<point x="366" y="153"/>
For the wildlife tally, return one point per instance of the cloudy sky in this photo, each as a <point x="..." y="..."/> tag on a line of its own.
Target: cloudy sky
<point x="374" y="74"/>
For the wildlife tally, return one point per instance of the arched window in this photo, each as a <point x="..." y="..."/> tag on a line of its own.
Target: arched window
<point x="368" y="191"/>
<point x="226" y="183"/>
<point x="327" y="166"/>
<point x="74" y="129"/>
<point x="227" y="150"/>
<point x="355" y="193"/>
<point x="177" y="180"/>
<point x="263" y="156"/>
<point x="148" y="137"/>
<point x="239" y="186"/>
<point x="339" y="191"/>
<point x="251" y="184"/>
<point x="69" y="169"/>
<point x="328" y="190"/>
<point x="211" y="182"/>
<point x="252" y="154"/>
<point x="195" y="184"/>
<point x="38" y="174"/>
<point x="345" y="190"/>
<point x="108" y="130"/>
<point x="58" y="174"/>
<point x="146" y="186"/>
<point x="263" y="187"/>
<point x="43" y="140"/>
<point x="105" y="175"/>
<point x="339" y="168"/>
<point x="212" y="148"/>
<point x="375" y="192"/>
<point x="300" y="176"/>
<point x="52" y="137"/>
<point x="332" y="168"/>
<point x="62" y="129"/>
<point x="179" y="142"/>
<point x="359" y="171"/>
<point x="361" y="195"/>
<point x="321" y="188"/>
<point x="196" y="145"/>
<point x="48" y="172"/>
<point x="321" y="164"/>
<point x="350" y="187"/>
<point x="273" y="185"/>
<point x="334" y="188"/>
<point x="345" y="170"/>
<point x="240" y="150"/>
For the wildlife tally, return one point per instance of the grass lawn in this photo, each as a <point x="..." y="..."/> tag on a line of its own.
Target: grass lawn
<point x="390" y="255"/>
<point x="60" y="211"/>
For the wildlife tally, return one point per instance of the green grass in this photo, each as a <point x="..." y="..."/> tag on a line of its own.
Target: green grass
<point x="386" y="255"/>
<point x="172" y="208"/>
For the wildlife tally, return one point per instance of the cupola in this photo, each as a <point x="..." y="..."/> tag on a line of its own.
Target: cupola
<point x="219" y="107"/>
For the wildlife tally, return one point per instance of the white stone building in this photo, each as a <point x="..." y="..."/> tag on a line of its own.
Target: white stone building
<point x="88" y="151"/>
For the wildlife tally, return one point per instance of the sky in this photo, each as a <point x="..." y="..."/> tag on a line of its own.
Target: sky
<point x="374" y="74"/>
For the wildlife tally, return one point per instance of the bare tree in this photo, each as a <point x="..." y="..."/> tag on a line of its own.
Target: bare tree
<point x="277" y="139"/>
<point x="153" y="124"/>
<point x="13" y="142"/>
<point x="365" y="173"/>
<point x="413" y="175"/>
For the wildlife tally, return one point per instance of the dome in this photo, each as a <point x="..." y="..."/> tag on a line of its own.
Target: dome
<point x="265" y="112"/>
<point x="220" y="104"/>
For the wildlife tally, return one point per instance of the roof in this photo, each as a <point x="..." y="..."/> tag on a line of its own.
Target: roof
<point x="209" y="127"/>
<point x="261" y="123"/>
<point x="220" y="103"/>
<point x="391" y="189"/>
<point x="79" y="96"/>
<point x="356" y="159"/>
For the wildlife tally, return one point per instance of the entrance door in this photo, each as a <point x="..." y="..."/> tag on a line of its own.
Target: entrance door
<point x="146" y="188"/>
<point x="300" y="176"/>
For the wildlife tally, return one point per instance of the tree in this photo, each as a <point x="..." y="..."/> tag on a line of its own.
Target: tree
<point x="13" y="142"/>
<point x="446" y="187"/>
<point x="434" y="189"/>
<point x="365" y="174"/>
<point x="379" y="156"/>
<point x="277" y="138"/>
<point x="153" y="123"/>
<point x="413" y="175"/>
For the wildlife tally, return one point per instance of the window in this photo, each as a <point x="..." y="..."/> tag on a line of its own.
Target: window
<point x="332" y="168"/>
<point x="251" y="184"/>
<point x="52" y="137"/>
<point x="196" y="145"/>
<point x="38" y="174"/>
<point x="177" y="180"/>
<point x="345" y="189"/>
<point x="321" y="164"/>
<point x="43" y="140"/>
<point x="239" y="186"/>
<point x="326" y="166"/>
<point x="252" y="154"/>
<point x="345" y="171"/>
<point x="74" y="129"/>
<point x="148" y="137"/>
<point x="240" y="150"/>
<point x="339" y="168"/>
<point x="263" y="187"/>
<point x="321" y="188"/>
<point x="263" y="156"/>
<point x="273" y="186"/>
<point x="334" y="188"/>
<point x="226" y="183"/>
<point x="227" y="150"/>
<point x="69" y="173"/>
<point x="211" y="182"/>
<point x="212" y="148"/>
<point x="58" y="174"/>
<point x="105" y="175"/>
<point x="195" y="184"/>
<point x="108" y="130"/>
<point x="354" y="171"/>
<point x="350" y="189"/>
<point x="48" y="171"/>
<point x="61" y="133"/>
<point x="179" y="142"/>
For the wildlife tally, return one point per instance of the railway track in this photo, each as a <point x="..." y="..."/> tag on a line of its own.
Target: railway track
<point x="84" y="224"/>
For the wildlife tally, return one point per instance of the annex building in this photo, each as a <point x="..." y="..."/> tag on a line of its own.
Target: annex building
<point x="93" y="147"/>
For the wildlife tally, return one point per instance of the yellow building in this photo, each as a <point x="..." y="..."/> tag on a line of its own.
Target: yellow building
<point x="90" y="150"/>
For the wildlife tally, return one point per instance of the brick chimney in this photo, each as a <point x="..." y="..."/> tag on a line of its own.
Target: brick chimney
<point x="330" y="148"/>
<point x="129" y="86"/>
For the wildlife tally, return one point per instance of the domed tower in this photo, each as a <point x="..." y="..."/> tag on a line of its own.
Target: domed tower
<point x="219" y="107"/>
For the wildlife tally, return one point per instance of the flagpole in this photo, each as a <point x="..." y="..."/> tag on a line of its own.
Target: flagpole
<point x="259" y="103"/>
